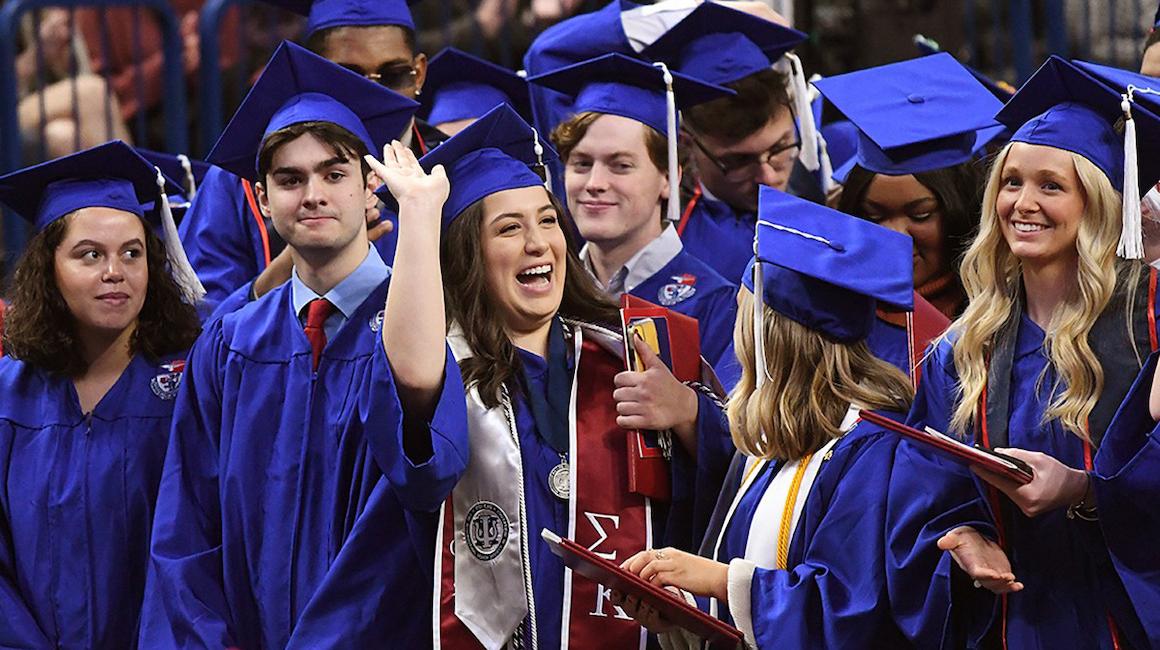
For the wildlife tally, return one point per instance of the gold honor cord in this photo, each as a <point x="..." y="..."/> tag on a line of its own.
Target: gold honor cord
<point x="787" y="513"/>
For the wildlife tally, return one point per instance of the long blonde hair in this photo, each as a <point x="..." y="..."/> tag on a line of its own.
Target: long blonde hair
<point x="992" y="278"/>
<point x="812" y="380"/>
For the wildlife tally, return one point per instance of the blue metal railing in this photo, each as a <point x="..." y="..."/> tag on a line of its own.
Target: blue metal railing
<point x="173" y="85"/>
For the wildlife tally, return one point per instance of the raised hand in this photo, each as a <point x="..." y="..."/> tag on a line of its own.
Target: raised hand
<point x="406" y="180"/>
<point x="981" y="559"/>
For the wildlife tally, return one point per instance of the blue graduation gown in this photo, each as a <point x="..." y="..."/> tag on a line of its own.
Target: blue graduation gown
<point x="269" y="471"/>
<point x="77" y="496"/>
<point x="1071" y="583"/>
<point x="221" y="237"/>
<point x="721" y="237"/>
<point x="688" y="286"/>
<point x="864" y="568"/>
<point x="1126" y="482"/>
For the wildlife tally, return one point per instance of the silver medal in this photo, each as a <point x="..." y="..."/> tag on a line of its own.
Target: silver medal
<point x="559" y="480"/>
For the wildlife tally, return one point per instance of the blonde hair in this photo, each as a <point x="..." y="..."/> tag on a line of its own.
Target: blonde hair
<point x="812" y="380"/>
<point x="992" y="278"/>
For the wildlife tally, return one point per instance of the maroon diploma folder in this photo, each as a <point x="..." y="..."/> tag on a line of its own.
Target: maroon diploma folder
<point x="668" y="604"/>
<point x="959" y="452"/>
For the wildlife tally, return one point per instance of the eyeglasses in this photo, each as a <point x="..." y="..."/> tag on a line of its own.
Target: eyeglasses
<point x="394" y="76"/>
<point x="741" y="167"/>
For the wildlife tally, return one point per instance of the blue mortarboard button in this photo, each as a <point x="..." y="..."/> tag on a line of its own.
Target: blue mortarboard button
<point x="111" y="175"/>
<point x="495" y="153"/>
<point x="913" y="116"/>
<point x="828" y="270"/>
<point x="300" y="86"/>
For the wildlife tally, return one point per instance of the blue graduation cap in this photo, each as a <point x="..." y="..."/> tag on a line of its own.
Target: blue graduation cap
<point x="1000" y="89"/>
<point x="300" y="86"/>
<point x="495" y="153"/>
<point x="648" y="93"/>
<point x="720" y="44"/>
<point x="825" y="269"/>
<point x="178" y="166"/>
<point x="322" y="14"/>
<point x="1074" y="107"/>
<point x="460" y="86"/>
<point x="620" y="85"/>
<point x="111" y="175"/>
<point x="913" y="116"/>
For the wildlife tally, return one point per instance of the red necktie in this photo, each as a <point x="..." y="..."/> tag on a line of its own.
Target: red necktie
<point x="317" y="311"/>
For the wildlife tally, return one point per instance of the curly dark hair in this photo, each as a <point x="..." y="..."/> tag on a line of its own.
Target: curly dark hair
<point x="496" y="362"/>
<point x="40" y="330"/>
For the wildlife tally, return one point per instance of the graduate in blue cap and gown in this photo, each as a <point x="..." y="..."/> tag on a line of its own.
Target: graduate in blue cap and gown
<point x="230" y="242"/>
<point x="823" y="538"/>
<point x="461" y="88"/>
<point x="1054" y="334"/>
<point x="96" y="336"/>
<point x="763" y="135"/>
<point x="290" y="423"/>
<point x="621" y="174"/>
<point x="541" y="354"/>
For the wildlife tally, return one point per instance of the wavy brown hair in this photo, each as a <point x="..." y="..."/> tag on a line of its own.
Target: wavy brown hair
<point x="811" y="381"/>
<point x="495" y="361"/>
<point x="40" y="330"/>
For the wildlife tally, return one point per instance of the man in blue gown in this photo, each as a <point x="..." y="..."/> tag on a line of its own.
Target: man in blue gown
<point x="229" y="241"/>
<point x="288" y="427"/>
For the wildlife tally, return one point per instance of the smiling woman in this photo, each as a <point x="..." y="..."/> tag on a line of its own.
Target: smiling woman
<point x="96" y="336"/>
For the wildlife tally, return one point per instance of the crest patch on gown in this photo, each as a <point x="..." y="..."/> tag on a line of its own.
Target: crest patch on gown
<point x="166" y="383"/>
<point x="486" y="527"/>
<point x="682" y="288"/>
<point x="376" y="323"/>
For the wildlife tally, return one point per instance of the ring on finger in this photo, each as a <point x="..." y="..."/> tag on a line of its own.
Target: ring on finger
<point x="978" y="585"/>
<point x="660" y="555"/>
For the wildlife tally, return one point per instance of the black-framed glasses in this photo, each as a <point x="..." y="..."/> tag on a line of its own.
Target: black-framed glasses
<point x="394" y="76"/>
<point x="740" y="167"/>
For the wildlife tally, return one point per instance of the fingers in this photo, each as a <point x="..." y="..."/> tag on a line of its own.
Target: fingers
<point x="646" y="354"/>
<point x="380" y="229"/>
<point x="628" y="394"/>
<point x="1004" y="484"/>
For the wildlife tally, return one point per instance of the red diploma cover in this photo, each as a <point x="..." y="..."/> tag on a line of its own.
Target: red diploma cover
<point x="668" y="604"/>
<point x="957" y="451"/>
<point x="675" y="338"/>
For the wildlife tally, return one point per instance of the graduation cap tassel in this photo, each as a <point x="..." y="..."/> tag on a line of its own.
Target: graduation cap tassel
<point x="758" y="319"/>
<point x="538" y="149"/>
<point x="190" y="181"/>
<point x="179" y="264"/>
<point x="1131" y="245"/>
<point x="674" y="207"/>
<point x="827" y="172"/>
<point x="803" y="113"/>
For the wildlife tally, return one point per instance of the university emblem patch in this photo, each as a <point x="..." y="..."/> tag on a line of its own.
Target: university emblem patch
<point x="166" y="383"/>
<point x="682" y="288"/>
<point x="486" y="528"/>
<point x="376" y="322"/>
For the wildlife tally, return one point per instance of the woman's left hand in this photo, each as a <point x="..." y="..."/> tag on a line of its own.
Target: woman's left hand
<point x="1055" y="485"/>
<point x="668" y="567"/>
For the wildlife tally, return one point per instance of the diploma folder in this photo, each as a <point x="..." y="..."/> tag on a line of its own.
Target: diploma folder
<point x="957" y="451"/>
<point x="672" y="607"/>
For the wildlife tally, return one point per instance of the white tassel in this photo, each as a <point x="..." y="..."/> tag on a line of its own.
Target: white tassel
<point x="179" y="265"/>
<point x="1131" y="245"/>
<point x="805" y="116"/>
<point x="538" y="149"/>
<point x="674" y="207"/>
<point x="190" y="181"/>
<point x="827" y="166"/>
<point x="758" y="320"/>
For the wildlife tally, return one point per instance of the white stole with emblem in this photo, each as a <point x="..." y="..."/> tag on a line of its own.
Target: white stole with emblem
<point x="490" y="593"/>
